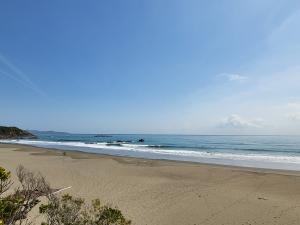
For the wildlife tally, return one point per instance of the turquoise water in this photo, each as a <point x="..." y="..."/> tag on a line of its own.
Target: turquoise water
<point x="276" y="152"/>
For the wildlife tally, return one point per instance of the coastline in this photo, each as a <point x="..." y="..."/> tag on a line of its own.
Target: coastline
<point x="265" y="153"/>
<point x="84" y="154"/>
<point x="152" y="191"/>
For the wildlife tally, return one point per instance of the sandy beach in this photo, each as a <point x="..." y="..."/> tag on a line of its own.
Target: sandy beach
<point x="157" y="192"/>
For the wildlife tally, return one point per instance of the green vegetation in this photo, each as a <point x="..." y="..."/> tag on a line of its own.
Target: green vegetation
<point x="14" y="132"/>
<point x="59" y="210"/>
<point x="73" y="211"/>
<point x="15" y="206"/>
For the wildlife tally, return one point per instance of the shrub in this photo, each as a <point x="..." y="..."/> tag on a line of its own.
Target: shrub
<point x="15" y="207"/>
<point x="5" y="181"/>
<point x="59" y="210"/>
<point x="67" y="210"/>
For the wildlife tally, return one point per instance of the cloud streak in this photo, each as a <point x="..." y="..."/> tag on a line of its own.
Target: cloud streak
<point x="232" y="77"/>
<point x="19" y="76"/>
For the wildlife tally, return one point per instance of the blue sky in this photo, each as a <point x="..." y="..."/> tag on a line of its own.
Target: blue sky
<point x="191" y="67"/>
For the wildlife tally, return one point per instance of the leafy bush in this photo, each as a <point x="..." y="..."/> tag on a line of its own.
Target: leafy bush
<point x="15" y="207"/>
<point x="59" y="210"/>
<point x="68" y="210"/>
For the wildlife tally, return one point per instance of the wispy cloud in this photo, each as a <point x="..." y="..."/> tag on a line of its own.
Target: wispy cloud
<point x="19" y="76"/>
<point x="294" y="111"/>
<point x="236" y="121"/>
<point x="15" y="78"/>
<point x="294" y="116"/>
<point x="233" y="77"/>
<point x="294" y="105"/>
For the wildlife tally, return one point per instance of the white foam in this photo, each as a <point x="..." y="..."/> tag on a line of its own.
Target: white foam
<point x="167" y="152"/>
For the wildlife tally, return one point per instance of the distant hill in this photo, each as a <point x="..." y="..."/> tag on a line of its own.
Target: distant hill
<point x="49" y="132"/>
<point x="14" y="132"/>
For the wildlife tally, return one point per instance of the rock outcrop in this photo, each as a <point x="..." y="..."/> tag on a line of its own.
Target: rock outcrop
<point x="14" y="133"/>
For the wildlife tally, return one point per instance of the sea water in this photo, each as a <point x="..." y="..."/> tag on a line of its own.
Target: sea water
<point x="274" y="152"/>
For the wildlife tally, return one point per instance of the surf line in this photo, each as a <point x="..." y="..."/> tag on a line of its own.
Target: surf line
<point x="60" y="190"/>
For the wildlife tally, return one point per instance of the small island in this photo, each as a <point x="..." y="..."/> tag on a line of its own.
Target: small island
<point x="14" y="133"/>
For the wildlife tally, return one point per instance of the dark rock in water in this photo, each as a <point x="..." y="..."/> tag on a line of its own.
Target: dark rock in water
<point x="14" y="133"/>
<point x="120" y="141"/>
<point x="102" y="135"/>
<point x="141" y="140"/>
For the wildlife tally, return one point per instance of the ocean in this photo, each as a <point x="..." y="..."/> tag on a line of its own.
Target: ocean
<point x="271" y="152"/>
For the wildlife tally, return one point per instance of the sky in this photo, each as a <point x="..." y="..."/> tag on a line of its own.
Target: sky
<point x="159" y="66"/>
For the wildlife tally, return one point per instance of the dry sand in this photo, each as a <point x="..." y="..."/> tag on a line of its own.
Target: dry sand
<point x="157" y="192"/>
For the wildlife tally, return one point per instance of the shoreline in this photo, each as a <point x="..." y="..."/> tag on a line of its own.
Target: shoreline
<point x="239" y="153"/>
<point x="166" y="192"/>
<point x="119" y="157"/>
